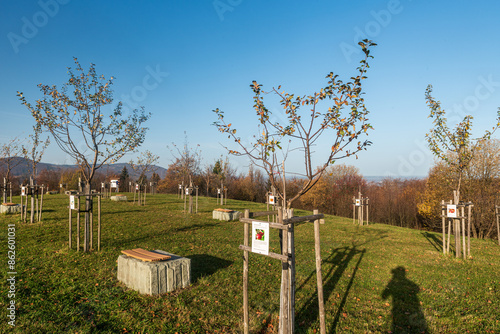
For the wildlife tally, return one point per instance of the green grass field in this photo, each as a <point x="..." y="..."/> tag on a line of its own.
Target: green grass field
<point x="377" y="279"/>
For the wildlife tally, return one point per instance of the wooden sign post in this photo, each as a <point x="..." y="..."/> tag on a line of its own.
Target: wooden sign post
<point x="74" y="205"/>
<point x="359" y="205"/>
<point x="287" y="299"/>
<point x="455" y="215"/>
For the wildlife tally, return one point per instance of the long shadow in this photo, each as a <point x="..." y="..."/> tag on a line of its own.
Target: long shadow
<point x="206" y="265"/>
<point x="434" y="241"/>
<point x="340" y="259"/>
<point x="346" y="293"/>
<point x="407" y="317"/>
<point x="195" y="227"/>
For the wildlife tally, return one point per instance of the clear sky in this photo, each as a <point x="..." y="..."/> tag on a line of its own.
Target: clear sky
<point x="182" y="59"/>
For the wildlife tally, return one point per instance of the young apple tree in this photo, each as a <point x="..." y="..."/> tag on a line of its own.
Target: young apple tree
<point x="80" y="119"/>
<point x="9" y="159"/>
<point x="455" y="147"/>
<point x="34" y="154"/>
<point x="308" y="122"/>
<point x="336" y="114"/>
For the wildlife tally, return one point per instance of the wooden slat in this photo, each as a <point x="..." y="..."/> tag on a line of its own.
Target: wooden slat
<point x="303" y="219"/>
<point x="273" y="225"/>
<point x="283" y="258"/>
<point x="145" y="255"/>
<point x="263" y="213"/>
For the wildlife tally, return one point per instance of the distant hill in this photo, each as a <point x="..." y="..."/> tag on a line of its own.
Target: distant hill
<point x="23" y="169"/>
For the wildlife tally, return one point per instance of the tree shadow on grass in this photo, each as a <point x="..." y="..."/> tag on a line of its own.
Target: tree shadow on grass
<point x="206" y="265"/>
<point x="195" y="227"/>
<point x="434" y="240"/>
<point x="339" y="260"/>
<point x="407" y="317"/>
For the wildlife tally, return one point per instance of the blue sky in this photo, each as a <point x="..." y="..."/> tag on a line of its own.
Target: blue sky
<point x="182" y="59"/>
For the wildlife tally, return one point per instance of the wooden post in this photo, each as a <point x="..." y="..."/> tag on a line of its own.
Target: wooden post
<point x="41" y="206"/>
<point x="190" y="209"/>
<point x="319" y="277"/>
<point x="185" y="198"/>
<point x="98" y="223"/>
<point x="70" y="227"/>
<point x="449" y="235"/>
<point x="37" y="213"/>
<point x="463" y="233"/>
<point x="443" y="221"/>
<point x="78" y="224"/>
<point x="245" y="274"/>
<point x="22" y="207"/>
<point x="367" y="213"/>
<point x="32" y="212"/>
<point x="353" y="210"/>
<point x="469" y="212"/>
<point x="291" y="274"/>
<point x="196" y="199"/>
<point x="284" y="319"/>
<point x="26" y="209"/>
<point x="91" y="232"/>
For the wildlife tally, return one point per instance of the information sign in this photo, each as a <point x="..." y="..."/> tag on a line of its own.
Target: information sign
<point x="260" y="237"/>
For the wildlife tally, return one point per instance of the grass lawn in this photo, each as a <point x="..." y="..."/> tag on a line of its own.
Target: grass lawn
<point x="376" y="278"/>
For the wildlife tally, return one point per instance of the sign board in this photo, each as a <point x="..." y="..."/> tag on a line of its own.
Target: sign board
<point x="136" y="187"/>
<point x="103" y="185"/>
<point x="271" y="200"/>
<point x="23" y="191"/>
<point x="188" y="191"/>
<point x="180" y="186"/>
<point x="114" y="183"/>
<point x="358" y="202"/>
<point x="218" y="190"/>
<point x="72" y="202"/>
<point x="60" y="185"/>
<point x="260" y="237"/>
<point x="451" y="211"/>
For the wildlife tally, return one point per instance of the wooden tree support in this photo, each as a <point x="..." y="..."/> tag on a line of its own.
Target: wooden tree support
<point x="287" y="298"/>
<point x="361" y="203"/>
<point x="32" y="190"/>
<point x="462" y="245"/>
<point x="88" y="234"/>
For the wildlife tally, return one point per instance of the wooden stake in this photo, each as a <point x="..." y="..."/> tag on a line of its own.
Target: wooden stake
<point x="283" y="323"/>
<point x="449" y="236"/>
<point x="78" y="224"/>
<point x="245" y="274"/>
<point x="41" y="206"/>
<point x="469" y="208"/>
<point x="367" y="215"/>
<point x="98" y="223"/>
<point x="91" y="230"/>
<point x="319" y="277"/>
<point x="291" y="274"/>
<point x="70" y="227"/>
<point x="443" y="221"/>
<point x="463" y="234"/>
